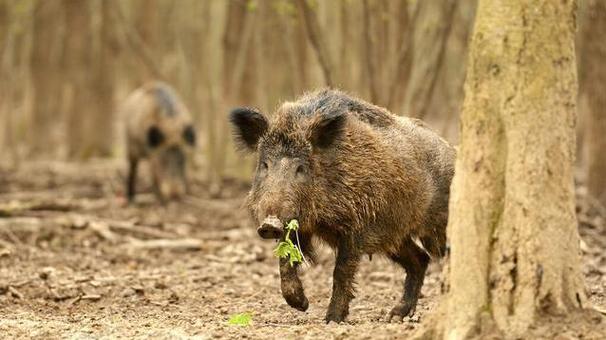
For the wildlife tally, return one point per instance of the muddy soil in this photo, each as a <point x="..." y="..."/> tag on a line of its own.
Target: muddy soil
<point x="77" y="262"/>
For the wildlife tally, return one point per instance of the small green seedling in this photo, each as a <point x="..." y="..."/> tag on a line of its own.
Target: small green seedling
<point x="287" y="249"/>
<point x="242" y="319"/>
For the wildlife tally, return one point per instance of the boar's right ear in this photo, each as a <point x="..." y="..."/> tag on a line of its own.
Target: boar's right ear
<point x="326" y="129"/>
<point x="249" y="126"/>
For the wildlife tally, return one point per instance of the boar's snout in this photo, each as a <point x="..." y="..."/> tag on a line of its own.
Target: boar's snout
<point x="271" y="228"/>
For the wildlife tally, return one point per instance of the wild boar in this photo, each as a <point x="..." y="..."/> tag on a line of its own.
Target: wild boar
<point x="160" y="129"/>
<point x="356" y="177"/>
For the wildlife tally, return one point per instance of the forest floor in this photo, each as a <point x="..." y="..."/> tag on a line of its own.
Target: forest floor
<point x="77" y="262"/>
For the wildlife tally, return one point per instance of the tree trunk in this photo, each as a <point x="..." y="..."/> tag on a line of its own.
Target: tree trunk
<point x="593" y="55"/>
<point x="312" y="27"/>
<point x="149" y="26"/>
<point x="238" y="33"/>
<point x="77" y="59"/>
<point x="5" y="124"/>
<point x="45" y="81"/>
<point x="512" y="227"/>
<point x="433" y="25"/>
<point x="101" y="122"/>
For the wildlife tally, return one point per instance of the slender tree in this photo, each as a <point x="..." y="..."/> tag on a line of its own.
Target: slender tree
<point x="513" y="233"/>
<point x="432" y="29"/>
<point x="45" y="78"/>
<point x="77" y="59"/>
<point x="101" y="85"/>
<point x="316" y="39"/>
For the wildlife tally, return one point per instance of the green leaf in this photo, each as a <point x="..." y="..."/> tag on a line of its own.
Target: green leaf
<point x="286" y="248"/>
<point x="242" y="319"/>
<point x="282" y="250"/>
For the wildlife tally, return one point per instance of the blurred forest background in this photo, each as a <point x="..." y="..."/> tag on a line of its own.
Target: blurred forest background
<point x="66" y="65"/>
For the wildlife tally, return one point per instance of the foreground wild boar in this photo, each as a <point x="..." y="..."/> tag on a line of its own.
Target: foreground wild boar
<point x="355" y="176"/>
<point x="159" y="128"/>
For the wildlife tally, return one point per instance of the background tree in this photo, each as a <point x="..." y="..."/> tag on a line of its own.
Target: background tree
<point x="593" y="56"/>
<point x="516" y="257"/>
<point x="45" y="75"/>
<point x="198" y="47"/>
<point x="77" y="56"/>
<point x="102" y="84"/>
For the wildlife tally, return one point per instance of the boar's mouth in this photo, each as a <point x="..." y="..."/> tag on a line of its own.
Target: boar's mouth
<point x="271" y="228"/>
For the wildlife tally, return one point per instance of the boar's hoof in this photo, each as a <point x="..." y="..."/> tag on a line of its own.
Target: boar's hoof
<point x="271" y="228"/>
<point x="334" y="317"/>
<point x="336" y="314"/>
<point x="298" y="302"/>
<point x="402" y="310"/>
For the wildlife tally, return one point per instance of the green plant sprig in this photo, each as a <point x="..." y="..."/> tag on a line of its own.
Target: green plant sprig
<point x="286" y="248"/>
<point x="242" y="319"/>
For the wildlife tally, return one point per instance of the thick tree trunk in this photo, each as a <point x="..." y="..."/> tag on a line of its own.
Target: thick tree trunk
<point x="512" y="228"/>
<point x="593" y="56"/>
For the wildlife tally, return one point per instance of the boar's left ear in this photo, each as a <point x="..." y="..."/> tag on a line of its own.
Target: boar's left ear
<point x="326" y="129"/>
<point x="249" y="126"/>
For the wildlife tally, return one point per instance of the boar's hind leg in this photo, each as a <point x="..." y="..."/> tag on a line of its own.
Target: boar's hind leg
<point x="131" y="179"/>
<point x="414" y="260"/>
<point x="346" y="267"/>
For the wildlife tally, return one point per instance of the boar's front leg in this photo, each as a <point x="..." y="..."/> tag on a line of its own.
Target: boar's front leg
<point x="131" y="178"/>
<point x="346" y="266"/>
<point x="292" y="288"/>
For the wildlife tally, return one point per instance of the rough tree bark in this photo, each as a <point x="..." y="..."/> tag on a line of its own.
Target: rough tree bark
<point x="513" y="232"/>
<point x="593" y="55"/>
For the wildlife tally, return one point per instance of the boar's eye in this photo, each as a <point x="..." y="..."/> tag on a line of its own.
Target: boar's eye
<point x="189" y="135"/>
<point x="301" y="169"/>
<point x="264" y="165"/>
<point x="155" y="137"/>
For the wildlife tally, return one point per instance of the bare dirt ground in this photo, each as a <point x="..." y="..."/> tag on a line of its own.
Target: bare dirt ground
<point x="76" y="262"/>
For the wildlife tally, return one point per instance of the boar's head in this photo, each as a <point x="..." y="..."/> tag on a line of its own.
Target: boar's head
<point x="170" y="150"/>
<point x="289" y="152"/>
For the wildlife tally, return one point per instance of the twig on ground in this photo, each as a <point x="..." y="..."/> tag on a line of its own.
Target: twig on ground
<point x="600" y="310"/>
<point x="172" y="244"/>
<point x="91" y="297"/>
<point x="15" y="293"/>
<point x="141" y="230"/>
<point x="102" y="229"/>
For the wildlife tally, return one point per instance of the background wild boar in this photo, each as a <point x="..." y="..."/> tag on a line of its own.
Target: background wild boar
<point x="357" y="177"/>
<point x="159" y="128"/>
